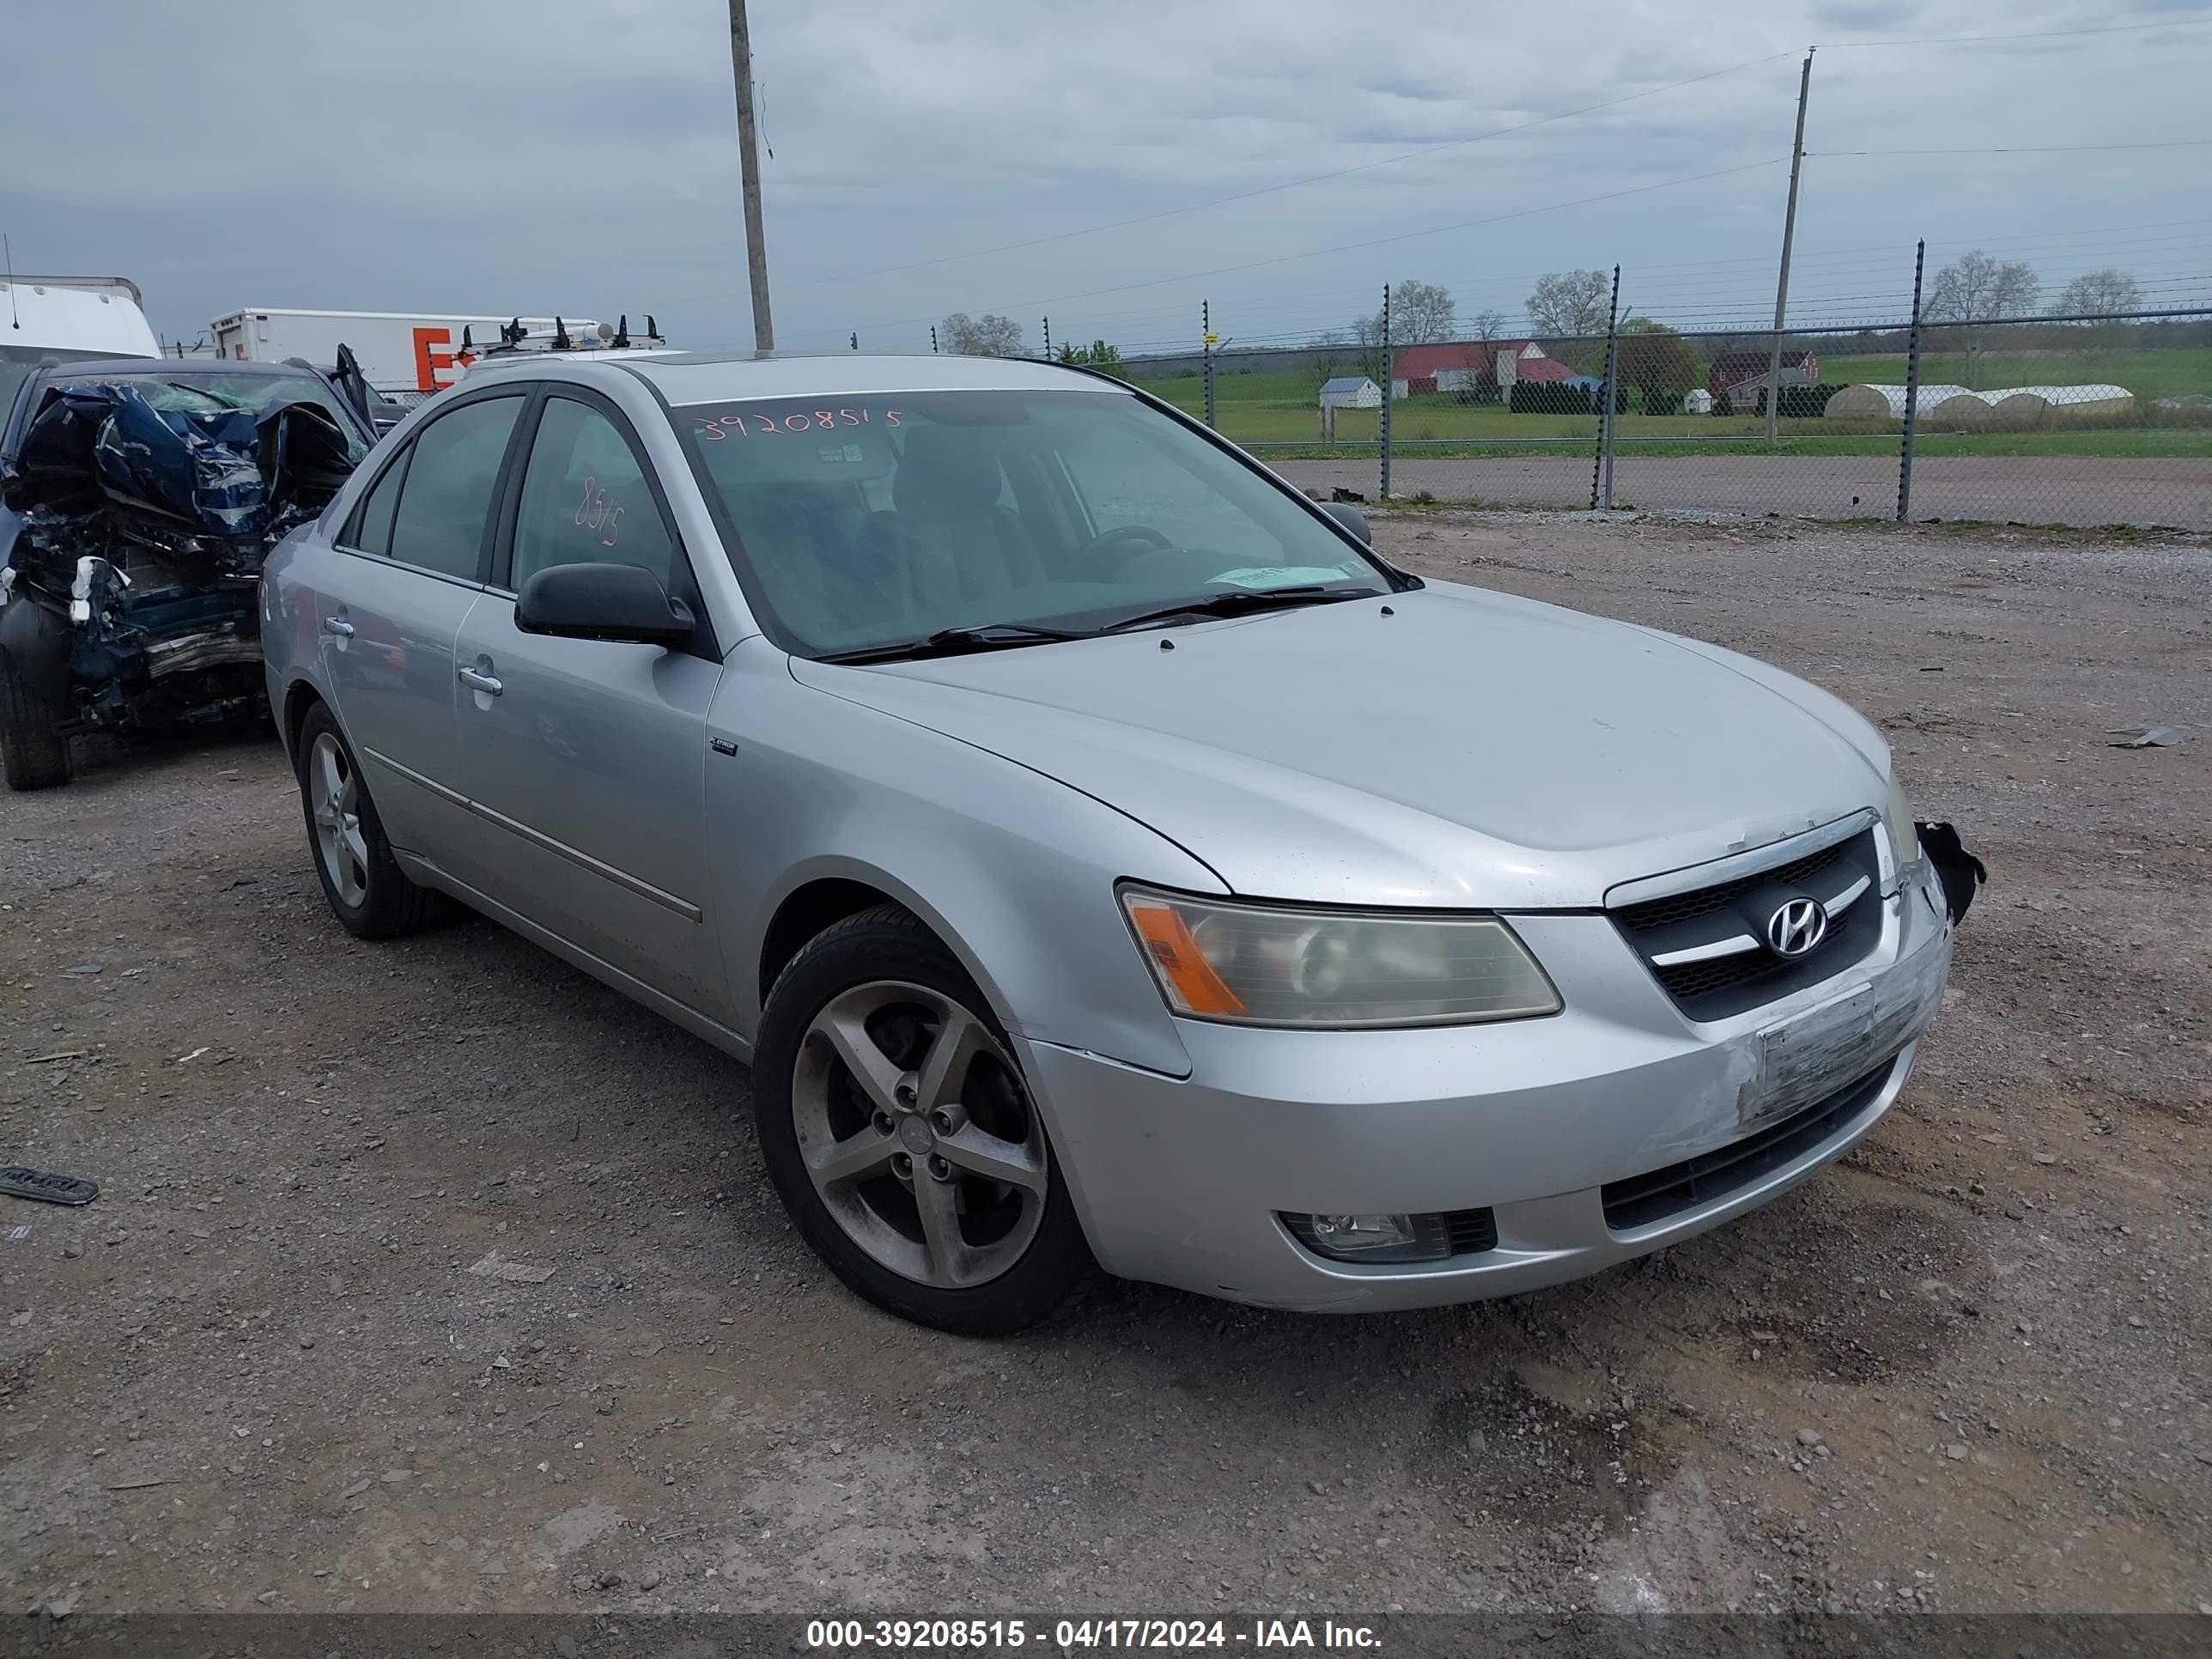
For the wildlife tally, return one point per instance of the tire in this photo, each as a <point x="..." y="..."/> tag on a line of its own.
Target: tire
<point x="367" y="892"/>
<point x="32" y="746"/>
<point x="1015" y="1250"/>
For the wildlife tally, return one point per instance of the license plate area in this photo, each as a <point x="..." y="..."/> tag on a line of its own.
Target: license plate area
<point x="1809" y="1056"/>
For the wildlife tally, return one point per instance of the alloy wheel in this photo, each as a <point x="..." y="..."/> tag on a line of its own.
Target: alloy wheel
<point x="334" y="796"/>
<point x="918" y="1134"/>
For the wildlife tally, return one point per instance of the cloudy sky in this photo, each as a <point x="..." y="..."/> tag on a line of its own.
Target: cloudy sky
<point x="1106" y="165"/>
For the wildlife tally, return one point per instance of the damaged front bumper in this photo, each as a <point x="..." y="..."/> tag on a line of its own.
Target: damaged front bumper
<point x="142" y="529"/>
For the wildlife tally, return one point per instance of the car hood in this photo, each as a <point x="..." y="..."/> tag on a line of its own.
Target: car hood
<point x="1467" y="749"/>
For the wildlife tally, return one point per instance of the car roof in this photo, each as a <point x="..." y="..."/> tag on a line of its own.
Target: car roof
<point x="714" y="377"/>
<point x="113" y="366"/>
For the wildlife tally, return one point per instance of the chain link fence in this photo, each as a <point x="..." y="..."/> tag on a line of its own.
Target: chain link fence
<point x="2089" y="420"/>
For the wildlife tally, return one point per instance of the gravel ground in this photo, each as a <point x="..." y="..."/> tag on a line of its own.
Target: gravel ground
<point x="1961" y="1371"/>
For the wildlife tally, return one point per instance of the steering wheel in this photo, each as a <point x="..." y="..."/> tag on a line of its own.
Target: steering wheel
<point x="1091" y="561"/>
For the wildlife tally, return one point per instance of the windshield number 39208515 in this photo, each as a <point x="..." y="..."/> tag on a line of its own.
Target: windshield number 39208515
<point x="796" y="420"/>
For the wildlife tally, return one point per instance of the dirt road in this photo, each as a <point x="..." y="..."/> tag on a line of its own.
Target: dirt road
<point x="2060" y="489"/>
<point x="1962" y="1370"/>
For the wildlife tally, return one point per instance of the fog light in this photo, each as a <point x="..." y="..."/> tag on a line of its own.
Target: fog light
<point x="1373" y="1237"/>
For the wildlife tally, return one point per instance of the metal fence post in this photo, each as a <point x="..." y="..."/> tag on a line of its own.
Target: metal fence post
<point x="1601" y="463"/>
<point x="1389" y="376"/>
<point x="1205" y="344"/>
<point x="1912" y="395"/>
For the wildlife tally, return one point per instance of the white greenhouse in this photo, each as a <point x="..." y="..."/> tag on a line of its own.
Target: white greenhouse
<point x="1884" y="403"/>
<point x="1958" y="408"/>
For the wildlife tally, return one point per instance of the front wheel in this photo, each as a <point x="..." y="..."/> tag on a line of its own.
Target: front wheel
<point x="899" y="1133"/>
<point x="33" y="749"/>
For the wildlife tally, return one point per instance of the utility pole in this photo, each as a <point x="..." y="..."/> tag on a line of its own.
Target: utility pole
<point x="1789" y="230"/>
<point x="933" y="339"/>
<point x="741" y="59"/>
<point x="1048" y="339"/>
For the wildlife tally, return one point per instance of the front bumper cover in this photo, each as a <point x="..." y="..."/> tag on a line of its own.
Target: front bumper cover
<point x="1181" y="1182"/>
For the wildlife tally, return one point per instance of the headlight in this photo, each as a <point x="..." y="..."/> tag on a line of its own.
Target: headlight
<point x="1904" y="839"/>
<point x="1254" y="964"/>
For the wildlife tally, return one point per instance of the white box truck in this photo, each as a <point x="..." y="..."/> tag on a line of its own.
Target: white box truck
<point x="70" y="318"/>
<point x="402" y="353"/>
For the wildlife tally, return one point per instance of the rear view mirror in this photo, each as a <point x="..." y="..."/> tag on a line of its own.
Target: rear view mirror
<point x="1351" y="518"/>
<point x="603" y="602"/>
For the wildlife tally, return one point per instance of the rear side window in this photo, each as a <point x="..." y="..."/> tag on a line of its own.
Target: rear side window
<point x="373" y="534"/>
<point x="452" y="476"/>
<point x="585" y="499"/>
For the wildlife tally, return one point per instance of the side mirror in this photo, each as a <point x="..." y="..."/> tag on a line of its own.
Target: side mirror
<point x="1351" y="518"/>
<point x="603" y="602"/>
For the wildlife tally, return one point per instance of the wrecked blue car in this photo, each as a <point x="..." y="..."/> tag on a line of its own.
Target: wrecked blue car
<point x="138" y="500"/>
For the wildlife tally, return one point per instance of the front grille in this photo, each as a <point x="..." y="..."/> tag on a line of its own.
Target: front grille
<point x="1718" y="988"/>
<point x="1642" y="1200"/>
<point x="1681" y="907"/>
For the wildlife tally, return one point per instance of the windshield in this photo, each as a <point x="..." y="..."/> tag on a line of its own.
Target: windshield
<point x="876" y="521"/>
<point x="177" y="391"/>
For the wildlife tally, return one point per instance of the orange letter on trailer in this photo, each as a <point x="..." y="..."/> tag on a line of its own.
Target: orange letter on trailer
<point x="428" y="362"/>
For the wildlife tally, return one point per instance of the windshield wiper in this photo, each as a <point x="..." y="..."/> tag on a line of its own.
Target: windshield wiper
<point x="1241" y="601"/>
<point x="956" y="642"/>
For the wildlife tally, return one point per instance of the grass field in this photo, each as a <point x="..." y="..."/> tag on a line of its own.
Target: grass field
<point x="1278" y="407"/>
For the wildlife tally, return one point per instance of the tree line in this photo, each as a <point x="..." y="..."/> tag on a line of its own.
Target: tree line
<point x="1568" y="310"/>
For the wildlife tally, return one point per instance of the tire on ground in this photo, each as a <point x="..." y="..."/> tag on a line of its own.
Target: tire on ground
<point x="890" y="943"/>
<point x="391" y="904"/>
<point x="32" y="747"/>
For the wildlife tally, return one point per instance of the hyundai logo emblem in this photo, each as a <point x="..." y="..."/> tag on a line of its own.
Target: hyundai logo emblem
<point x="1797" y="927"/>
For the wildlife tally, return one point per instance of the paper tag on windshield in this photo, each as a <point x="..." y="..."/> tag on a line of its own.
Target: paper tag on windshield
<point x="1280" y="575"/>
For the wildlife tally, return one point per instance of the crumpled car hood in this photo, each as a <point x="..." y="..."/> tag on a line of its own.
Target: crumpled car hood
<point x="175" y="476"/>
<point x="1472" y="748"/>
<point x="144" y="524"/>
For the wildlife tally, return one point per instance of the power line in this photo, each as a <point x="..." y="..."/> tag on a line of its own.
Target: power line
<point x="1294" y="184"/>
<point x="2040" y="34"/>
<point x="1366" y="242"/>
<point x="2015" y="149"/>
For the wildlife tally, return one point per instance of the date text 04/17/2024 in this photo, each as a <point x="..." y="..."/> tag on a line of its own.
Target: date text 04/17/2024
<point x="1171" y="1635"/>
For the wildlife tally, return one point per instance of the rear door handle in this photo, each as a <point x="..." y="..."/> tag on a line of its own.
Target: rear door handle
<point x="339" y="626"/>
<point x="482" y="682"/>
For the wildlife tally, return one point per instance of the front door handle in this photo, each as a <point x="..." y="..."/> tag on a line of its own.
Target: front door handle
<point x="339" y="626"/>
<point x="482" y="682"/>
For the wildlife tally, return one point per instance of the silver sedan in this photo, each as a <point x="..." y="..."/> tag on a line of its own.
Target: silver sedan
<point x="1099" y="853"/>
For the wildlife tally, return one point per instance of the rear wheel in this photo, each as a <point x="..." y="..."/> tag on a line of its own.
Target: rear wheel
<point x="367" y="889"/>
<point x="32" y="746"/>
<point x="897" y="1128"/>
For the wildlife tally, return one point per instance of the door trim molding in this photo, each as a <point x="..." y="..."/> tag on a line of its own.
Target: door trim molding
<point x="600" y="867"/>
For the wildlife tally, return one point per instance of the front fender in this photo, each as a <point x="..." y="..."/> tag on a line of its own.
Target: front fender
<point x="1013" y="870"/>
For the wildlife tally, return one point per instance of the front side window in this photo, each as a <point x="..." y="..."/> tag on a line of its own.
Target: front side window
<point x="585" y="499"/>
<point x="453" y="477"/>
<point x="19" y="362"/>
<point x="870" y="521"/>
<point x="374" y="531"/>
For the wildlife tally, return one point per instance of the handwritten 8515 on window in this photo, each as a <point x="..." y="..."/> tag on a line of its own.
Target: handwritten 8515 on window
<point x="597" y="511"/>
<point x="797" y="419"/>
